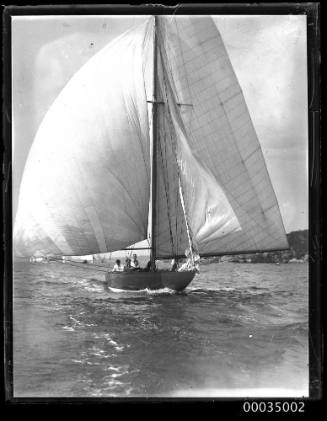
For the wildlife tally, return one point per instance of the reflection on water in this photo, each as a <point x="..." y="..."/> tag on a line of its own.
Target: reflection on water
<point x="237" y="327"/>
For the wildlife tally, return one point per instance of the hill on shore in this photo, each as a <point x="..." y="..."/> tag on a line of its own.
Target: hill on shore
<point x="298" y="251"/>
<point x="299" y="243"/>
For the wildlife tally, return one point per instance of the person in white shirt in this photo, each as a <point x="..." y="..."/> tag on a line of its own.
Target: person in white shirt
<point x="118" y="267"/>
<point x="135" y="262"/>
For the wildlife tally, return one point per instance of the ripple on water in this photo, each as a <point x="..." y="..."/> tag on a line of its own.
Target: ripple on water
<point x="232" y="327"/>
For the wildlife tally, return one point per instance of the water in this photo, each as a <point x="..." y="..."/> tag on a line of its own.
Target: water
<point x="238" y="329"/>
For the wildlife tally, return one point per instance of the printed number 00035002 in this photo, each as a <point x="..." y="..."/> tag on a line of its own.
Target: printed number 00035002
<point x="273" y="406"/>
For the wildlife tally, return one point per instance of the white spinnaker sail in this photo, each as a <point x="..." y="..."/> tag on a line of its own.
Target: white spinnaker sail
<point x="220" y="135"/>
<point x="86" y="182"/>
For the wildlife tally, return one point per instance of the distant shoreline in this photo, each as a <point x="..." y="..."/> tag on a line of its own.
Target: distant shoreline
<point x="297" y="253"/>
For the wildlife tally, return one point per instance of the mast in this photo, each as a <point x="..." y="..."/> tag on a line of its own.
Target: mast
<point x="154" y="145"/>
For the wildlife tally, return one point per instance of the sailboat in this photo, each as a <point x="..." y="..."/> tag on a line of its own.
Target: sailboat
<point x="150" y="139"/>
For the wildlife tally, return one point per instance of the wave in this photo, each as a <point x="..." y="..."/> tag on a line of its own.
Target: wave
<point x="145" y="291"/>
<point x="193" y="290"/>
<point x="69" y="328"/>
<point x="297" y="328"/>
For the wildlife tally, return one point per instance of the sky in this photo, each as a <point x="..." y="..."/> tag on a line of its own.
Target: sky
<point x="269" y="57"/>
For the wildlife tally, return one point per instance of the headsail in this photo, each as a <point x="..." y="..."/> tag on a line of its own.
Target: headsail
<point x="85" y="188"/>
<point x="229" y="198"/>
<point x="188" y="193"/>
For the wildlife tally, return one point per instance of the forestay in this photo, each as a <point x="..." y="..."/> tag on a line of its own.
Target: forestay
<point x="86" y="182"/>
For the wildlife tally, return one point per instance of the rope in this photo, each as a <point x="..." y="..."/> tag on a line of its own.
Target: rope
<point x="173" y="144"/>
<point x="164" y="163"/>
<point x="172" y="141"/>
<point x="76" y="264"/>
<point x="166" y="186"/>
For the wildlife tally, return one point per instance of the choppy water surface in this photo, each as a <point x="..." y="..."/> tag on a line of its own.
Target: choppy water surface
<point x="237" y="327"/>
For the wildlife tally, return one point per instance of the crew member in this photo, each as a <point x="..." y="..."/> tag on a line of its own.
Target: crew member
<point x="135" y="262"/>
<point x="118" y="267"/>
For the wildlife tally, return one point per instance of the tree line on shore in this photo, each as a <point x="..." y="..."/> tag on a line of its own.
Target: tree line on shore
<point x="297" y="252"/>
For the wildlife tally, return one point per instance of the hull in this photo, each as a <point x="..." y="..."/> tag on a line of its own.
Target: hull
<point x="134" y="281"/>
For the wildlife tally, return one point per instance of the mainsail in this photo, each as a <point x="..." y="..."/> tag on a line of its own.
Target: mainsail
<point x="86" y="185"/>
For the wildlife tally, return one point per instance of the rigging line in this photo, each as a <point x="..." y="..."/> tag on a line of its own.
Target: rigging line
<point x="168" y="188"/>
<point x="165" y="181"/>
<point x="168" y="199"/>
<point x="93" y="264"/>
<point x="164" y="163"/>
<point x="189" y="233"/>
<point x="145" y="46"/>
<point x="176" y="222"/>
<point x="176" y="209"/>
<point x="166" y="86"/>
<point x="152" y="229"/>
<point x="178" y="237"/>
<point x="171" y="130"/>
<point x="173" y="144"/>
<point x="167" y="62"/>
<point x="76" y="264"/>
<point x="180" y="233"/>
